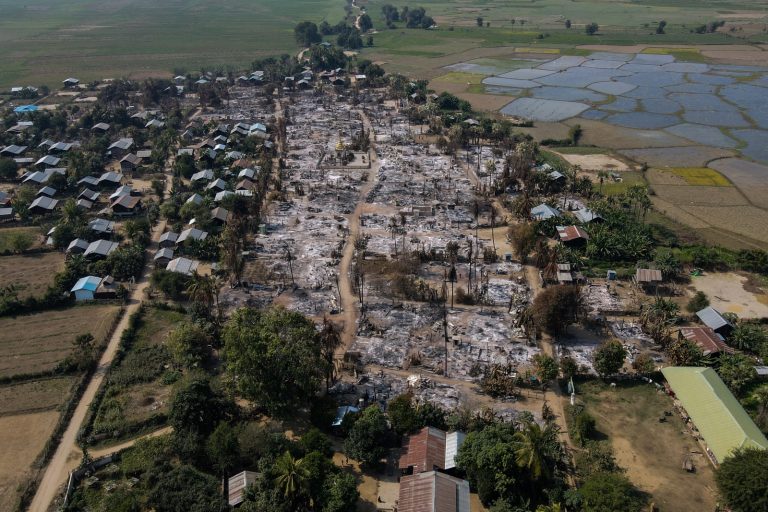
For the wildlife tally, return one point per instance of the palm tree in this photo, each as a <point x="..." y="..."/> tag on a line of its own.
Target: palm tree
<point x="291" y="476"/>
<point x="530" y="450"/>
<point x="330" y="339"/>
<point x="201" y="290"/>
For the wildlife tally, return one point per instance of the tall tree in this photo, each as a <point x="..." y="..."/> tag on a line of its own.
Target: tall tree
<point x="275" y="356"/>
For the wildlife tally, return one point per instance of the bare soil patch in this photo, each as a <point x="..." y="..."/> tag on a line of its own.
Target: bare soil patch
<point x="729" y="292"/>
<point x="33" y="273"/>
<point x="35" y="343"/>
<point x="652" y="452"/>
<point x="595" y="162"/>
<point x="21" y="439"/>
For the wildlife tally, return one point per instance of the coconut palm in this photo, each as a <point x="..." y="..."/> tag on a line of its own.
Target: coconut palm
<point x="531" y="450"/>
<point x="291" y="476"/>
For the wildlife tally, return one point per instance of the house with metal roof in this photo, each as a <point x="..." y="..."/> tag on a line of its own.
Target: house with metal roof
<point x="77" y="246"/>
<point x="109" y="179"/>
<point x="12" y="150"/>
<point x="168" y="239"/>
<point x="47" y="191"/>
<point x="645" y="276"/>
<point x="712" y="318"/>
<point x="433" y="492"/>
<point x="706" y="339"/>
<point x="220" y="196"/>
<point x="182" y="266"/>
<point x="163" y="256"/>
<point x="191" y="234"/>
<point x="430" y="449"/>
<point x="195" y="199"/>
<point x="7" y="214"/>
<point x="544" y="212"/>
<point x="572" y="236"/>
<point x="42" y="205"/>
<point x="721" y="421"/>
<point x="89" y="195"/>
<point x="71" y="82"/>
<point x="585" y="216"/>
<point x="103" y="127"/>
<point x="204" y="175"/>
<point x="121" y="147"/>
<point x="88" y="181"/>
<point x="85" y="288"/>
<point x="102" y="226"/>
<point x="100" y="249"/>
<point x="217" y="184"/>
<point x="48" y="161"/>
<point x="125" y="205"/>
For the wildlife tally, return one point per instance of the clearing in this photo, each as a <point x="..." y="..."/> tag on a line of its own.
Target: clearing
<point x="6" y="233"/>
<point x="652" y="452"/>
<point x="729" y="292"/>
<point x="594" y="161"/>
<point x="37" y="343"/>
<point x="32" y="273"/>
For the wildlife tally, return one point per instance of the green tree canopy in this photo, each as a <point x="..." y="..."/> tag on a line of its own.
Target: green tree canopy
<point x="307" y="34"/>
<point x="367" y="437"/>
<point x="610" y="492"/>
<point x="742" y="480"/>
<point x="275" y="356"/>
<point x="609" y="357"/>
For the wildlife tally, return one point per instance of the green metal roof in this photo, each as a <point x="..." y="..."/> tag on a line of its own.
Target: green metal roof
<point x="721" y="420"/>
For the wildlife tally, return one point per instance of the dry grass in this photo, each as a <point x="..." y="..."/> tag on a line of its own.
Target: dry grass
<point x="460" y="77"/>
<point x="33" y="273"/>
<point x="5" y="237"/>
<point x="35" y="395"/>
<point x="652" y="452"/>
<point x="22" y="438"/>
<point x="699" y="195"/>
<point x="35" y="343"/>
<point x="701" y="176"/>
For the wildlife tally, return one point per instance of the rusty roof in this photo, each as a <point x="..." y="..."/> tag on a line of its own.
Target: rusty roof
<point x="707" y="340"/>
<point x="570" y="233"/>
<point x="424" y="451"/>
<point x="433" y="492"/>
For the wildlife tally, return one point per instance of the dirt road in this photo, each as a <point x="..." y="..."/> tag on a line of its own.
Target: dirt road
<point x="109" y="450"/>
<point x="68" y="455"/>
<point x="349" y="306"/>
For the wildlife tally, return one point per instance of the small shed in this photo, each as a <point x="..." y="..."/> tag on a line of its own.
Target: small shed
<point x="85" y="288"/>
<point x="712" y="318"/>
<point x="648" y="276"/>
<point x="237" y="486"/>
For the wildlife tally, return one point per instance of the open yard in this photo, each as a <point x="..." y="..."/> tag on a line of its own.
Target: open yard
<point x="652" y="452"/>
<point x="729" y="292"/>
<point x="21" y="439"/>
<point x="36" y="343"/>
<point x="32" y="273"/>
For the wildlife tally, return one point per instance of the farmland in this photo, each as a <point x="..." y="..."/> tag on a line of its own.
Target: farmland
<point x="31" y="273"/>
<point x="37" y="343"/>
<point x="7" y="235"/>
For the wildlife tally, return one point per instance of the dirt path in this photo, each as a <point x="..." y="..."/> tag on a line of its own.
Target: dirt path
<point x="68" y="455"/>
<point x="109" y="450"/>
<point x="349" y="307"/>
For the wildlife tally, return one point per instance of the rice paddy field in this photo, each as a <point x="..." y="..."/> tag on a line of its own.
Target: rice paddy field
<point x="32" y="274"/>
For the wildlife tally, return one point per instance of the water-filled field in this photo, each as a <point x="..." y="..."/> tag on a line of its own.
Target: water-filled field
<point x="716" y="105"/>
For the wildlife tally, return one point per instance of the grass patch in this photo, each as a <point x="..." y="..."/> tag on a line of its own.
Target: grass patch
<point x="533" y="49"/>
<point x="580" y="150"/>
<point x="628" y="178"/>
<point x="684" y="54"/>
<point x="461" y="77"/>
<point x="7" y="233"/>
<point x="702" y="176"/>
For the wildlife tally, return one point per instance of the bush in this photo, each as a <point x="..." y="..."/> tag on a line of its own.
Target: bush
<point x="698" y="302"/>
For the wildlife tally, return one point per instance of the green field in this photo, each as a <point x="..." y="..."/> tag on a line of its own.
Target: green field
<point x="44" y="41"/>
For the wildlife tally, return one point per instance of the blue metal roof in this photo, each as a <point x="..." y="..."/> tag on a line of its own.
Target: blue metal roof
<point x="89" y="283"/>
<point x="25" y="108"/>
<point x="343" y="411"/>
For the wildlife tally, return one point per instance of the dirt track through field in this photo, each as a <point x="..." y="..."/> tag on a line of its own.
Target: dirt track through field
<point x="68" y="455"/>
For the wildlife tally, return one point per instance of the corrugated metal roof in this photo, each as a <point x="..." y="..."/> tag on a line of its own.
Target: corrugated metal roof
<point x="453" y="441"/>
<point x="424" y="451"/>
<point x="89" y="283"/>
<point x="707" y="340"/>
<point x="718" y="416"/>
<point x="238" y="484"/>
<point x="433" y="492"/>
<point x="648" y="275"/>
<point x="712" y="318"/>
